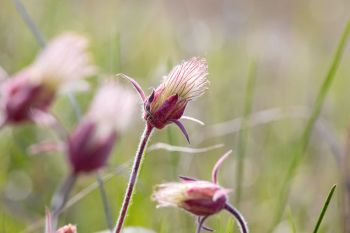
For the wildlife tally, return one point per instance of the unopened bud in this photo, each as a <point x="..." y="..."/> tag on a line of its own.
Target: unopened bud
<point x="200" y="198"/>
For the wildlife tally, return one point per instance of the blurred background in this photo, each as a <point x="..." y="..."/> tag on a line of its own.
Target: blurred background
<point x="289" y="44"/>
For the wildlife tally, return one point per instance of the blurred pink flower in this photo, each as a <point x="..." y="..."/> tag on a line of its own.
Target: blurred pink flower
<point x="50" y="229"/>
<point x="67" y="229"/>
<point x="166" y="104"/>
<point x="60" y="66"/>
<point x="92" y="141"/>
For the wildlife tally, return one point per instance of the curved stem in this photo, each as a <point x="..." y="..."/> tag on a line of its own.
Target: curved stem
<point x="133" y="177"/>
<point x="239" y="217"/>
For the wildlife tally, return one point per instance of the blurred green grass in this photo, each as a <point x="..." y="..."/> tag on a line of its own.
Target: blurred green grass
<point x="293" y="44"/>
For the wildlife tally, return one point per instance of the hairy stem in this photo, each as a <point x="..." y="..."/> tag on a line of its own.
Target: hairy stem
<point x="239" y="217"/>
<point x="133" y="177"/>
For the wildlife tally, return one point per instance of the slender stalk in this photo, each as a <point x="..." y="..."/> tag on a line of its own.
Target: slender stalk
<point x="243" y="133"/>
<point x="105" y="203"/>
<point x="345" y="184"/>
<point x="283" y="196"/>
<point x="61" y="196"/>
<point x="239" y="217"/>
<point x="200" y="224"/>
<point x="133" y="177"/>
<point x="30" y="23"/>
<point x="324" y="209"/>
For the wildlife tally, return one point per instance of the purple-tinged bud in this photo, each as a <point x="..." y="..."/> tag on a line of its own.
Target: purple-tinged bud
<point x="167" y="103"/>
<point x="200" y="198"/>
<point x="21" y="96"/>
<point x="185" y="82"/>
<point x="60" y="66"/>
<point x="91" y="143"/>
<point x="86" y="151"/>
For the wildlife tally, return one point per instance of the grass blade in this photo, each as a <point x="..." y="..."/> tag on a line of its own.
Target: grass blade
<point x="324" y="209"/>
<point x="310" y="124"/>
<point x="30" y="23"/>
<point x="242" y="139"/>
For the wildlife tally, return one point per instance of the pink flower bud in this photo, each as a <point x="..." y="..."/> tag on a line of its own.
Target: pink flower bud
<point x="86" y="151"/>
<point x="91" y="143"/>
<point x="20" y="96"/>
<point x="184" y="83"/>
<point x="200" y="198"/>
<point x="60" y="66"/>
<point x="67" y="229"/>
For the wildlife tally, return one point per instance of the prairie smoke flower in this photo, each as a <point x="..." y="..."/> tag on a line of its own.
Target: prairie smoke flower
<point x="167" y="103"/>
<point x="93" y="139"/>
<point x="200" y="198"/>
<point x="60" y="66"/>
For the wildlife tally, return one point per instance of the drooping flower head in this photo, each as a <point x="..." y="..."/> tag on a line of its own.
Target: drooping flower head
<point x="200" y="198"/>
<point x="90" y="144"/>
<point x="62" y="65"/>
<point x="166" y="104"/>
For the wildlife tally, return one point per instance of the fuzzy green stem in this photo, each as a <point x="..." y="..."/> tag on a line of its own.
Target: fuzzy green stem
<point x="133" y="177"/>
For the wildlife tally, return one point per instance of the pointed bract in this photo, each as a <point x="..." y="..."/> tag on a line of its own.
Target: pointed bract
<point x="218" y="165"/>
